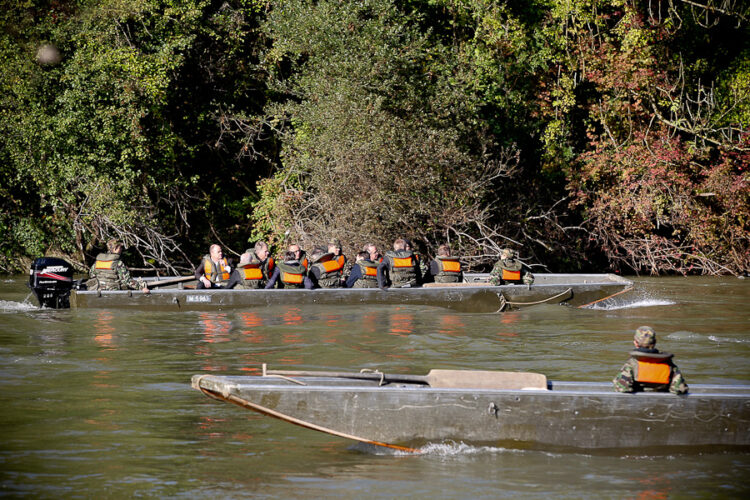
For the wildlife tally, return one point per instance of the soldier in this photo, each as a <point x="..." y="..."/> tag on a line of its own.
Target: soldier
<point x="364" y="273"/>
<point x="299" y="255"/>
<point x="290" y="273"/>
<point x="648" y="369"/>
<point x="110" y="273"/>
<point x="326" y="270"/>
<point x="214" y="270"/>
<point x="510" y="270"/>
<point x="399" y="268"/>
<point x="445" y="268"/>
<point x="255" y="267"/>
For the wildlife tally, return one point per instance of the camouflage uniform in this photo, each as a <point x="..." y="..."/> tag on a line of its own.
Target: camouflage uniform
<point x="626" y="380"/>
<point x="117" y="277"/>
<point x="509" y="262"/>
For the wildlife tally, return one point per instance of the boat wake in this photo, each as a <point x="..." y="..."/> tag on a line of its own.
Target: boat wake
<point x="11" y="306"/>
<point x="455" y="449"/>
<point x="632" y="305"/>
<point x="452" y="449"/>
<point x="727" y="340"/>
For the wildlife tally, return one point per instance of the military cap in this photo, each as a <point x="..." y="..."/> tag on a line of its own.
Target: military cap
<point x="113" y="244"/>
<point x="335" y="242"/>
<point x="507" y="253"/>
<point x="645" y="336"/>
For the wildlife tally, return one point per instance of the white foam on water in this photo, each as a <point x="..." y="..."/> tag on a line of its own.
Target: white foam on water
<point x="727" y="340"/>
<point x="632" y="305"/>
<point x="684" y="335"/>
<point x="454" y="449"/>
<point x="11" y="306"/>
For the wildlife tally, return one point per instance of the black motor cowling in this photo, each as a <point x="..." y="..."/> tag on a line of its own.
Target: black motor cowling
<point x="51" y="280"/>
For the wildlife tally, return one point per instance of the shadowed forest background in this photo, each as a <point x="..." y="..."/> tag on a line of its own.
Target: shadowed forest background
<point x="589" y="135"/>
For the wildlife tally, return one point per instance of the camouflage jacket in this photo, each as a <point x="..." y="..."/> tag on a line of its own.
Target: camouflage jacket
<point x="514" y="265"/>
<point x="117" y="277"/>
<point x="625" y="381"/>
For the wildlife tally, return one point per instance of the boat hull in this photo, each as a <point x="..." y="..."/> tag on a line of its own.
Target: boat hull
<point x="475" y="297"/>
<point x="570" y="415"/>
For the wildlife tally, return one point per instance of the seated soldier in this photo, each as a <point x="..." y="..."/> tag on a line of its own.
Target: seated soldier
<point x="289" y="274"/>
<point x="326" y="270"/>
<point x="364" y="272"/>
<point x="110" y="273"/>
<point x="445" y="268"/>
<point x="255" y="267"/>
<point x="299" y="255"/>
<point x="399" y="268"/>
<point x="648" y="369"/>
<point x="214" y="270"/>
<point x="510" y="270"/>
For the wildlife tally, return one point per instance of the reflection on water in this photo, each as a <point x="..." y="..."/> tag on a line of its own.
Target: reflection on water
<point x="99" y="400"/>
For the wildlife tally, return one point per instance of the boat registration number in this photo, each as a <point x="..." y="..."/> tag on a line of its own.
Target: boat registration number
<point x="198" y="298"/>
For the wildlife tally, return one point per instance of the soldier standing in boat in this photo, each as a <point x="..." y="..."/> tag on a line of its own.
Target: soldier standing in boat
<point x="255" y="267"/>
<point x="445" y="268"/>
<point x="509" y="269"/>
<point x="400" y="268"/>
<point x="364" y="272"/>
<point x="110" y="273"/>
<point x="648" y="369"/>
<point x="214" y="270"/>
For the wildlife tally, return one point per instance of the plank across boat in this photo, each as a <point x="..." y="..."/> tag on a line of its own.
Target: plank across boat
<point x="574" y="289"/>
<point x="567" y="415"/>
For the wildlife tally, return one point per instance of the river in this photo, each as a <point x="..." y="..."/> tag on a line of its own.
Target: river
<point x="97" y="403"/>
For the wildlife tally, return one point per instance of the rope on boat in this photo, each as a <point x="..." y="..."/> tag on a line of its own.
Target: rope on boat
<point x="605" y="298"/>
<point x="376" y="372"/>
<point x="264" y="373"/>
<point x="230" y="398"/>
<point x="540" y="301"/>
<point x="284" y="377"/>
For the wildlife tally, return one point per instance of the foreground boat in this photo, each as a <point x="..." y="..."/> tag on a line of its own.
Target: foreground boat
<point x="53" y="285"/>
<point x="404" y="414"/>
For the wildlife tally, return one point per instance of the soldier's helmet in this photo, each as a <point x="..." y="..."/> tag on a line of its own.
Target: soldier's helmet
<point x="507" y="253"/>
<point x="113" y="244"/>
<point x="645" y="336"/>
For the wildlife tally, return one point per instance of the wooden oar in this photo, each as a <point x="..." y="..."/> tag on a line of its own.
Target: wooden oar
<point x="442" y="379"/>
<point x="181" y="279"/>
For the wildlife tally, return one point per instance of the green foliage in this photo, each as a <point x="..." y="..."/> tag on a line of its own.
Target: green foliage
<point x="174" y="123"/>
<point x="383" y="138"/>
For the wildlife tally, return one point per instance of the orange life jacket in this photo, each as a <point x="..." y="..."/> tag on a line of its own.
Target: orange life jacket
<point x="212" y="273"/>
<point x="371" y="271"/>
<point x="403" y="262"/>
<point x="292" y="274"/>
<point x="104" y="264"/>
<point x="292" y="278"/>
<point x="653" y="371"/>
<point x="333" y="265"/>
<point x="511" y="275"/>
<point x="254" y="270"/>
<point x="449" y="270"/>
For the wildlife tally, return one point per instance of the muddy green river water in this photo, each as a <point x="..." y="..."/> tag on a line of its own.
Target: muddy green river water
<point x="97" y="403"/>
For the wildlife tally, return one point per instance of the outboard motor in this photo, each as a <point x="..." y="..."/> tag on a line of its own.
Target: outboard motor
<point x="51" y="280"/>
